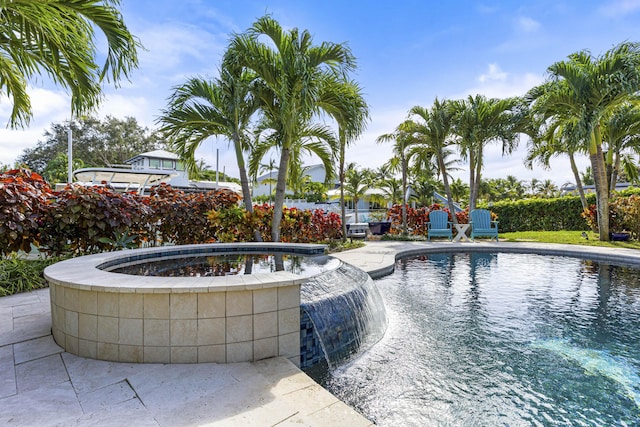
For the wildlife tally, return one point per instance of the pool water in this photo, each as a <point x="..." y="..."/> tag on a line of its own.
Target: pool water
<point x="501" y="339"/>
<point x="195" y="265"/>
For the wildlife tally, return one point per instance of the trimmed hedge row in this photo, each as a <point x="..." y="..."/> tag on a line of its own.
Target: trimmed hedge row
<point x="564" y="213"/>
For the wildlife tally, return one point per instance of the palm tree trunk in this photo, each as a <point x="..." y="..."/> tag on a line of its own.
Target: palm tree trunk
<point x="341" y="175"/>
<point x="614" y="174"/>
<point x="404" y="195"/>
<point x="602" y="189"/>
<point x="576" y="176"/>
<point x="244" y="182"/>
<point x="355" y="208"/>
<point x="608" y="161"/>
<point x="447" y="189"/>
<point x="279" y="199"/>
<point x="472" y="180"/>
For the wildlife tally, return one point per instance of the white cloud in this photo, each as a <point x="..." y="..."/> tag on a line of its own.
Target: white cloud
<point x="620" y="8"/>
<point x="495" y="73"/>
<point x="122" y="106"/>
<point x="171" y="46"/>
<point x="48" y="106"/>
<point x="527" y="25"/>
<point x="496" y="83"/>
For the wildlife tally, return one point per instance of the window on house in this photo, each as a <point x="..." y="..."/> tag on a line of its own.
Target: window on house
<point x="167" y="164"/>
<point x="154" y="163"/>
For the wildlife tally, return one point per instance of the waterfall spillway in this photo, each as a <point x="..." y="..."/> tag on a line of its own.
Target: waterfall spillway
<point x="342" y="313"/>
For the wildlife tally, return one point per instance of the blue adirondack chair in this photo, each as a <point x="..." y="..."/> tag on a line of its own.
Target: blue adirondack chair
<point x="439" y="225"/>
<point x="481" y="224"/>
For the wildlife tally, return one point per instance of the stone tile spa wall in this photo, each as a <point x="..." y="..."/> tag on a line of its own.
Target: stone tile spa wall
<point x="126" y="318"/>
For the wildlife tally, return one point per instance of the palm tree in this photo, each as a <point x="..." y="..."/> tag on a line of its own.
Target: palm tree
<point x="391" y="190"/>
<point x="548" y="189"/>
<point x="478" y="121"/>
<point x="200" y="109"/>
<point x="514" y="187"/>
<point x="357" y="182"/>
<point x="553" y="136"/>
<point x="588" y="88"/>
<point x="57" y="38"/>
<point x="296" y="81"/>
<point x="433" y="132"/>
<point x="351" y="117"/>
<point x="533" y="186"/>
<point x="459" y="190"/>
<point x="403" y="139"/>
<point x="621" y="131"/>
<point x="424" y="187"/>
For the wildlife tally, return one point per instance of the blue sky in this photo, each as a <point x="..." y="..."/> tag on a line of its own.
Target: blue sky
<point x="408" y="52"/>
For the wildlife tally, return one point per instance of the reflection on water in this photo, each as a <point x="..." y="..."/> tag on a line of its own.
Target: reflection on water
<point x="501" y="339"/>
<point x="226" y="265"/>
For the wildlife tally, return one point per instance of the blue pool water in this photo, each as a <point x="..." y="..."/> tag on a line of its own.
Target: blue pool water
<point x="501" y="339"/>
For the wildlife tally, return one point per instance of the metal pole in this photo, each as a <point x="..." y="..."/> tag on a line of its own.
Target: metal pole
<point x="69" y="155"/>
<point x="217" y="159"/>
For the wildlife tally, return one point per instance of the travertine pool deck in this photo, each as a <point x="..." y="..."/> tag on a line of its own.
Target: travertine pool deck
<point x="42" y="385"/>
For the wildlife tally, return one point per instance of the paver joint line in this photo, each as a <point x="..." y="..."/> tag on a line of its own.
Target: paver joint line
<point x="135" y="393"/>
<point x="286" y="418"/>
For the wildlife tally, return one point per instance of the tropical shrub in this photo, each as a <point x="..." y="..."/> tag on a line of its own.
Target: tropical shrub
<point x="297" y="226"/>
<point x="181" y="218"/>
<point x="628" y="212"/>
<point x="80" y="218"/>
<point x="624" y="215"/>
<point x="23" y="202"/>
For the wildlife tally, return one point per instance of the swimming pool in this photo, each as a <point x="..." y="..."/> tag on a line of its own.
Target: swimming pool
<point x="501" y="339"/>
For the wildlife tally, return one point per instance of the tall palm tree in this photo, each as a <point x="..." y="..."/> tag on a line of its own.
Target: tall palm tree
<point x="432" y="129"/>
<point x="57" y="38"/>
<point x="588" y="88"/>
<point x="356" y="183"/>
<point x="391" y="190"/>
<point x="351" y="117"/>
<point x="553" y="131"/>
<point x="479" y="121"/>
<point x="403" y="138"/>
<point x="200" y="109"/>
<point x="296" y="79"/>
<point x="621" y="131"/>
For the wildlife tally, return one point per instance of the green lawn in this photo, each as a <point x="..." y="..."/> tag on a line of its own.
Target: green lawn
<point x="567" y="237"/>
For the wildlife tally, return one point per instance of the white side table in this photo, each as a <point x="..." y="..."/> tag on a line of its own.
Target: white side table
<point x="462" y="232"/>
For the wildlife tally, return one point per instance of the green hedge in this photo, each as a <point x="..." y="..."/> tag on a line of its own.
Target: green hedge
<point x="563" y="213"/>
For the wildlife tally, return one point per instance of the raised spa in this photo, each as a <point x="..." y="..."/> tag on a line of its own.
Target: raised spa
<point x="218" y="303"/>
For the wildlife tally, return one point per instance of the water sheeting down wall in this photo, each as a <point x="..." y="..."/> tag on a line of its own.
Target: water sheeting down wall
<point x="342" y="313"/>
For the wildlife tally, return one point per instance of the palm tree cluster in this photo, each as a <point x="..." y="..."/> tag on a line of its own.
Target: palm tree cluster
<point x="587" y="103"/>
<point x="274" y="92"/>
<point x="426" y="141"/>
<point x="56" y="38"/>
